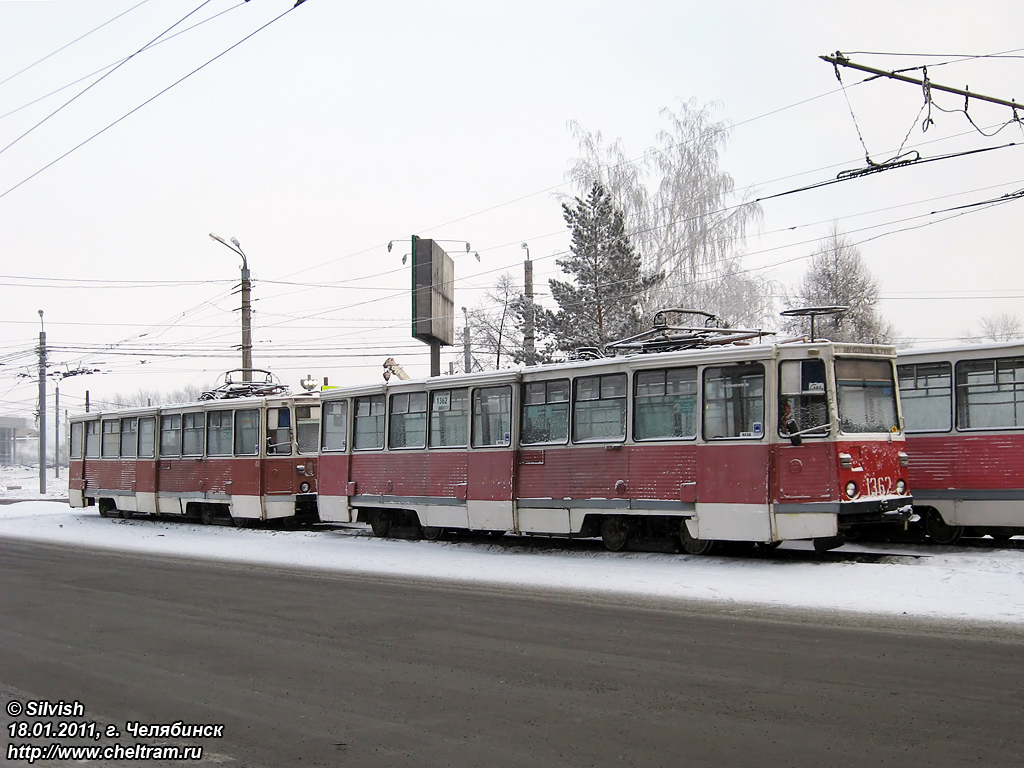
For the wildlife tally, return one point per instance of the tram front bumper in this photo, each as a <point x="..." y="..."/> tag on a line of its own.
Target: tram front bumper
<point x="895" y="511"/>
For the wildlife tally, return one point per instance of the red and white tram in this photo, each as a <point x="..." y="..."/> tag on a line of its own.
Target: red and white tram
<point x="752" y="443"/>
<point x="964" y="411"/>
<point x="244" y="459"/>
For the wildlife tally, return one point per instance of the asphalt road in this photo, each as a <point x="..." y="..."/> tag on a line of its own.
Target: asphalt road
<point x="309" y="669"/>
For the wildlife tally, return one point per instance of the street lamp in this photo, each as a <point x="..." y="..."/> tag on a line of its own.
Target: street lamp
<point x="235" y="246"/>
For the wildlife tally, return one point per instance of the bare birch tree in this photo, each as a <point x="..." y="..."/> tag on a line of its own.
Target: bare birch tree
<point x="838" y="276"/>
<point x="682" y="213"/>
<point x="1004" y="326"/>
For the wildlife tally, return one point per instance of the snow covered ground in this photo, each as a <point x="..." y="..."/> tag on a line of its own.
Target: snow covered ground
<point x="963" y="585"/>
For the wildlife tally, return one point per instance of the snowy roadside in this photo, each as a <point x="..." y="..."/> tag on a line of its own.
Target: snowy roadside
<point x="22" y="483"/>
<point x="948" y="584"/>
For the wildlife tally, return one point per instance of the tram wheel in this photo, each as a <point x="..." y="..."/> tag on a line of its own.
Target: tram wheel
<point x="432" y="532"/>
<point x="380" y="523"/>
<point x="615" y="533"/>
<point x="206" y="515"/>
<point x="124" y="514"/>
<point x="240" y="522"/>
<point x="691" y="544"/>
<point x="940" y="531"/>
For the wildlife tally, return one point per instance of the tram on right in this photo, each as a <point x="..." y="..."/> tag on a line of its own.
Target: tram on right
<point x="963" y="409"/>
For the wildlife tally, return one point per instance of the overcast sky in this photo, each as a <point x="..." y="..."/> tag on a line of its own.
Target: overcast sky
<point x="316" y="134"/>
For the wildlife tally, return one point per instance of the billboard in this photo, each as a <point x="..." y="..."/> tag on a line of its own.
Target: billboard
<point x="433" y="293"/>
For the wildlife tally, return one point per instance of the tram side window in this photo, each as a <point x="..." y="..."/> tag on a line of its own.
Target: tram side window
<point x="247" y="432"/>
<point x="170" y="435"/>
<point x="665" y="404"/>
<point x="111" y="438"/>
<point x="77" y="439"/>
<point x="307" y="428"/>
<point x="129" y="438"/>
<point x="279" y="431"/>
<point x="734" y="401"/>
<point x="866" y="394"/>
<point x="147" y="437"/>
<point x="599" y="410"/>
<point x="192" y="428"/>
<point x="990" y="393"/>
<point x="368" y="423"/>
<point x="492" y="416"/>
<point x="449" y="418"/>
<point x="803" y="398"/>
<point x="335" y="422"/>
<point x="219" y="433"/>
<point x="92" y="439"/>
<point x="926" y="392"/>
<point x="545" y="412"/>
<point x="408" y="426"/>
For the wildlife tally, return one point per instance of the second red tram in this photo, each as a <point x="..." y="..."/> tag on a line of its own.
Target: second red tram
<point x="245" y="460"/>
<point x="964" y="409"/>
<point x="749" y="443"/>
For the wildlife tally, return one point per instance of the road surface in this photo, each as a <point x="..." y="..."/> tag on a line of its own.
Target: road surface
<point x="327" y="669"/>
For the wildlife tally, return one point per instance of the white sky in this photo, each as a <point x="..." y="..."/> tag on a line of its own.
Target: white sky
<point x="946" y="584"/>
<point x="342" y="126"/>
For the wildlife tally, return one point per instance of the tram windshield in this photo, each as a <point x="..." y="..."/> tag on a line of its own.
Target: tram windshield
<point x="866" y="395"/>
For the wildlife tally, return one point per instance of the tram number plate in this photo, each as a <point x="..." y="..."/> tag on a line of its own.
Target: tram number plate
<point x="879" y="486"/>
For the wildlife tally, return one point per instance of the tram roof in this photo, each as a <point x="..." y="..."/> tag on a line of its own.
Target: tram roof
<point x="964" y="350"/>
<point x="204" y="405"/>
<point x="732" y="353"/>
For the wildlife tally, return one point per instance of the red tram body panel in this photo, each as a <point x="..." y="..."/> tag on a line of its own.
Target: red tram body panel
<point x="757" y="443"/>
<point x="964" y="410"/>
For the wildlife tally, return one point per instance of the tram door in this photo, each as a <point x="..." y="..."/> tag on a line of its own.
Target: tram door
<point x="804" y="467"/>
<point x="279" y="470"/>
<point x="492" y="461"/>
<point x="733" y="463"/>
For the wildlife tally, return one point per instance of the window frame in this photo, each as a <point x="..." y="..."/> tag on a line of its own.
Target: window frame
<point x="133" y="443"/>
<point x="525" y="406"/>
<point x="108" y="451"/>
<point x="708" y="435"/>
<point x="197" y="433"/>
<point x="400" y="406"/>
<point x="455" y="394"/>
<point x="504" y="395"/>
<point x="623" y="399"/>
<point x="380" y="421"/>
<point x="639" y="408"/>
<point x="147" y="440"/>
<point x="326" y="411"/>
<point x="906" y="401"/>
<point x="1016" y="390"/>
<point x="240" y="434"/>
<point x="174" y="419"/>
<point x="76" y="441"/>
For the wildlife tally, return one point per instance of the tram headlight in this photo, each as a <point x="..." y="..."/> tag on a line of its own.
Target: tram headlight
<point x="851" y="490"/>
<point x="901" y="487"/>
<point x="304" y="487"/>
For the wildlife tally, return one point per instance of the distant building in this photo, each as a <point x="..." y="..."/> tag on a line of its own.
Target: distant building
<point x="14" y="438"/>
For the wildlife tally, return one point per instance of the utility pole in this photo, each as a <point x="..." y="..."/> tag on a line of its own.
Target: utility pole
<point x="42" y="405"/>
<point x="467" y="354"/>
<point x="56" y="428"/>
<point x="235" y="246"/>
<point x="841" y="61"/>
<point x="528" y="332"/>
